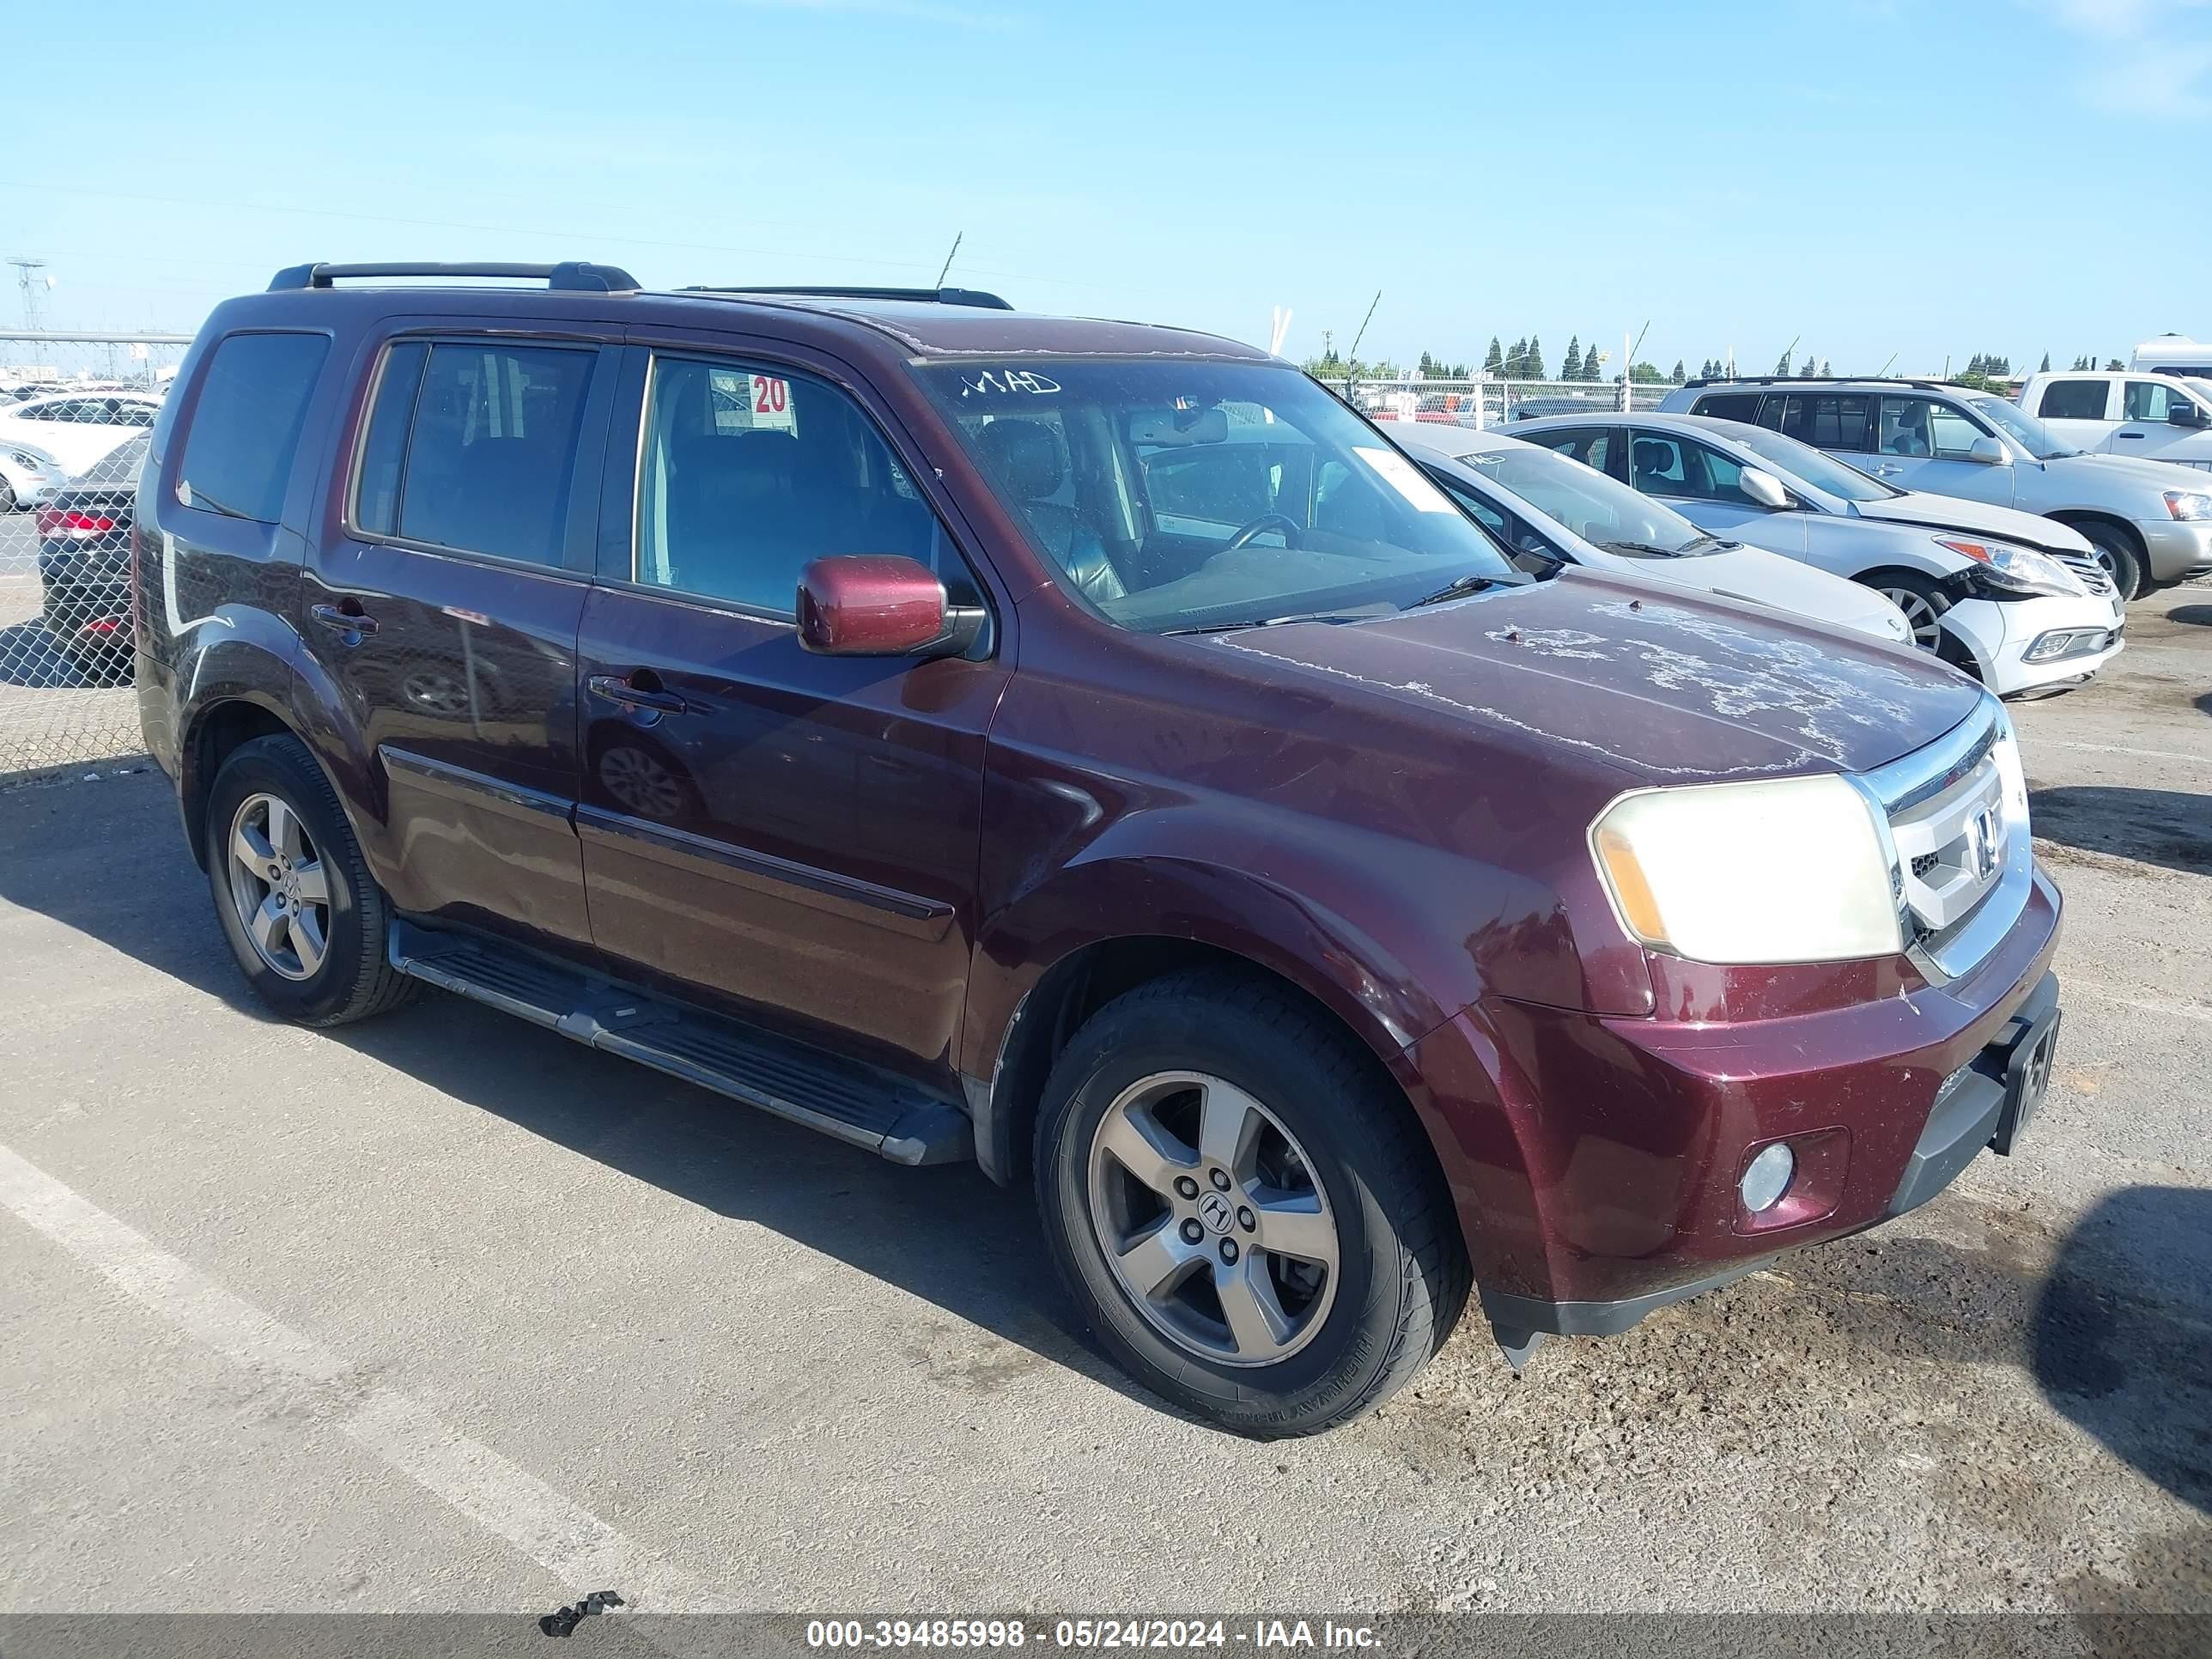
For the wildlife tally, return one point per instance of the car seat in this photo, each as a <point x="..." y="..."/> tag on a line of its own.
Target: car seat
<point x="1025" y="457"/>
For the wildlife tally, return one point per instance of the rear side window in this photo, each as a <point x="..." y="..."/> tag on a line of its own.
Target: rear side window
<point x="473" y="446"/>
<point x="1731" y="406"/>
<point x="246" y="428"/>
<point x="2073" y="400"/>
<point x="1829" y="420"/>
<point x="1593" y="449"/>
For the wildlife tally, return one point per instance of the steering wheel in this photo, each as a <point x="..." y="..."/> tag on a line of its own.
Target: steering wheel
<point x="1264" y="521"/>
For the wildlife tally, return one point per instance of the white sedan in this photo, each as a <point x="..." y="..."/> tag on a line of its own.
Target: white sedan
<point x="78" y="429"/>
<point x="1543" y="505"/>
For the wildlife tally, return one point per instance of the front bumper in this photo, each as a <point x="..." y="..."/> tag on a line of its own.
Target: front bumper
<point x="2177" y="548"/>
<point x="2000" y="634"/>
<point x="1597" y="1159"/>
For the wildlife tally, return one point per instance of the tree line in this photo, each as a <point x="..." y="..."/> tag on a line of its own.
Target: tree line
<point x="1524" y="361"/>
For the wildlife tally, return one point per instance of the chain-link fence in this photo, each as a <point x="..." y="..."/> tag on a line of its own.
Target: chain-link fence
<point x="75" y="409"/>
<point x="1488" y="402"/>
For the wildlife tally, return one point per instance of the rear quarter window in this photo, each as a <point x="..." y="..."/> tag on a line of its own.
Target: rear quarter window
<point x="245" y="429"/>
<point x="1731" y="406"/>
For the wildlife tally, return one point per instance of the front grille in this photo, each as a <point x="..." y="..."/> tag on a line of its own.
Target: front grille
<point x="2091" y="573"/>
<point x="1947" y="819"/>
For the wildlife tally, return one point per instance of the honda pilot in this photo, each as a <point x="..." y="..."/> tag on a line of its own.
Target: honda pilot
<point x="1092" y="750"/>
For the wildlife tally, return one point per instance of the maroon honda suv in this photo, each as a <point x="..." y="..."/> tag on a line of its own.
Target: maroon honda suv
<point x="1096" y="750"/>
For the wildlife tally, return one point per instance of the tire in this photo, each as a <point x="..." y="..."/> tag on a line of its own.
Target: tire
<point x="1923" y="600"/>
<point x="2117" y="552"/>
<point x="1359" y="1171"/>
<point x="347" y="977"/>
<point x="8" y="502"/>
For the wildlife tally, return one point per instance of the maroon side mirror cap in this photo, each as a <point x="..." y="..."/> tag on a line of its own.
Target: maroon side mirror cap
<point x="880" y="604"/>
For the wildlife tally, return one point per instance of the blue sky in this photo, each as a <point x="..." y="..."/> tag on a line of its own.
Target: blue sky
<point x="1916" y="177"/>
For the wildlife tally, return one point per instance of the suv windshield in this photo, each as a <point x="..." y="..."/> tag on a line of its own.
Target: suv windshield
<point x="1203" y="495"/>
<point x="1816" y="467"/>
<point x="1602" y="512"/>
<point x="2024" y="429"/>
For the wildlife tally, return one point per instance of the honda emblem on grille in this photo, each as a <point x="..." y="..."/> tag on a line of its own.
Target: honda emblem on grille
<point x="1984" y="829"/>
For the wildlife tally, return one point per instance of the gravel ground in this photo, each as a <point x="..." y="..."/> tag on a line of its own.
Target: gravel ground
<point x="444" y="1313"/>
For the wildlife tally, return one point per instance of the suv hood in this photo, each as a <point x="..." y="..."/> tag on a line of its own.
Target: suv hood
<point x="2147" y="473"/>
<point x="1663" y="686"/>
<point x="2007" y="523"/>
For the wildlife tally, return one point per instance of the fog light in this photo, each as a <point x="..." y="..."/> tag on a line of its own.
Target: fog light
<point x="1768" y="1178"/>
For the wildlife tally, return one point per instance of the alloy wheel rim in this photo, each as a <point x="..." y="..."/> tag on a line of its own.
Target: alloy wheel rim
<point x="1210" y="1219"/>
<point x="1926" y="623"/>
<point x="278" y="887"/>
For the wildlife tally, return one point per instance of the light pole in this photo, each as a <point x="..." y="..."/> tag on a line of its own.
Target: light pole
<point x="26" y="278"/>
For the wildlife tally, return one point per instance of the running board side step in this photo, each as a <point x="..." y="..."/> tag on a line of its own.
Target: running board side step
<point x="856" y="1102"/>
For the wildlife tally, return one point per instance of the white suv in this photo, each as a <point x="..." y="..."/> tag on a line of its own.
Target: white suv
<point x="2150" y="522"/>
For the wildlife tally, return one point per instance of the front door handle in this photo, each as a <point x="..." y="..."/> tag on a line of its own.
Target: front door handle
<point x="1888" y="471"/>
<point x="616" y="689"/>
<point x="338" y="618"/>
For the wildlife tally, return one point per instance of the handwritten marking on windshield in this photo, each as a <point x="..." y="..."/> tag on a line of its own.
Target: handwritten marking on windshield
<point x="996" y="380"/>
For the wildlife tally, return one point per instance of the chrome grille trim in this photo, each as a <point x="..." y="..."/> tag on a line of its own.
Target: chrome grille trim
<point x="1929" y="808"/>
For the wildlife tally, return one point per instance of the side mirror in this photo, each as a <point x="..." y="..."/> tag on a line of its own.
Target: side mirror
<point x="1763" y="487"/>
<point x="1989" y="452"/>
<point x="2182" y="412"/>
<point x="880" y="606"/>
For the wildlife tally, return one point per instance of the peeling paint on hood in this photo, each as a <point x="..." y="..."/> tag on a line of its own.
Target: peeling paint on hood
<point x="1667" y="688"/>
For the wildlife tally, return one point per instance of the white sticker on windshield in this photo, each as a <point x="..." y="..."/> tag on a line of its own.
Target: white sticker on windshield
<point x="1402" y="475"/>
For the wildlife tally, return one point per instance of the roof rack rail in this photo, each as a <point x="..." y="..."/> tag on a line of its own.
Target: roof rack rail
<point x="943" y="296"/>
<point x="1816" y="379"/>
<point x="574" y="275"/>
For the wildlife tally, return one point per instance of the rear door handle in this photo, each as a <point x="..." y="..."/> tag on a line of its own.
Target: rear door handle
<point x="342" y="621"/>
<point x="615" y="690"/>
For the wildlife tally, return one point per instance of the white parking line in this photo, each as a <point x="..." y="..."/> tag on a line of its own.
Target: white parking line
<point x="582" y="1552"/>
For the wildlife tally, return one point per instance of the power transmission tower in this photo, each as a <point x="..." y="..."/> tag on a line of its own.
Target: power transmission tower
<point x="28" y="280"/>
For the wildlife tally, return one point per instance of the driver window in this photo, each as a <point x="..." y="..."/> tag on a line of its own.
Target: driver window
<point x="1955" y="434"/>
<point x="2147" y="400"/>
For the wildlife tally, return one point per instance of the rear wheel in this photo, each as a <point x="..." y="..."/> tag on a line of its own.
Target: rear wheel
<point x="1253" y="1223"/>
<point x="8" y="502"/>
<point x="1921" y="598"/>
<point x="2117" y="553"/>
<point x="305" y="920"/>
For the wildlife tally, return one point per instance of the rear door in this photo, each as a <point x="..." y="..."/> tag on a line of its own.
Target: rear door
<point x="2080" y="408"/>
<point x="794" y="836"/>
<point x="444" y="613"/>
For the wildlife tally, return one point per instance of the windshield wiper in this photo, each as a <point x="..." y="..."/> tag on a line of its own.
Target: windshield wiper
<point x="1454" y="589"/>
<point x="1652" y="552"/>
<point x="201" y="498"/>
<point x="1264" y="622"/>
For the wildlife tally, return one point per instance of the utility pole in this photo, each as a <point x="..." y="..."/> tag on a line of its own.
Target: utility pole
<point x="33" y="284"/>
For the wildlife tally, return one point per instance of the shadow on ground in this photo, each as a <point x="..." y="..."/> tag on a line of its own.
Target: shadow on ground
<point x="2168" y="826"/>
<point x="2197" y="615"/>
<point x="109" y="860"/>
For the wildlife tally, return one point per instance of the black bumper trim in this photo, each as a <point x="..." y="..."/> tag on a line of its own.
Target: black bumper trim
<point x="1968" y="1108"/>
<point x="1527" y="1313"/>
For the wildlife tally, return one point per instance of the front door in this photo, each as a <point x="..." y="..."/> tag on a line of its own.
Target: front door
<point x="446" y="618"/>
<point x="1924" y="443"/>
<point x="792" y="835"/>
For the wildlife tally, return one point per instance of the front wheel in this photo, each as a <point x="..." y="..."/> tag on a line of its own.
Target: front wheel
<point x="2119" y="558"/>
<point x="1921" y="598"/>
<point x="1252" y="1221"/>
<point x="295" y="900"/>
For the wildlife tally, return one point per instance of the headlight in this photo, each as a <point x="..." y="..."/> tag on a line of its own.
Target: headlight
<point x="2016" y="569"/>
<point x="1783" y="870"/>
<point x="2188" y="504"/>
<point x="2011" y="773"/>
